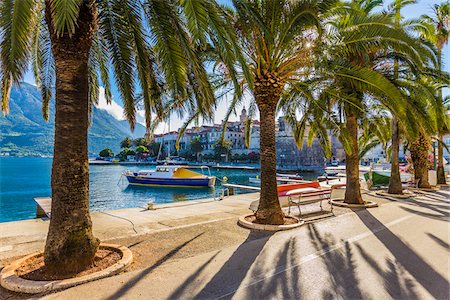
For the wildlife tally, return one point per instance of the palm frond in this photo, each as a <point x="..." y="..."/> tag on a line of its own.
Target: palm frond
<point x="17" y="21"/>
<point x="64" y="14"/>
<point x="115" y="29"/>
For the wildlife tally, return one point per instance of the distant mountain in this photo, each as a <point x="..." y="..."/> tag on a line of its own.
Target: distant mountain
<point x="25" y="131"/>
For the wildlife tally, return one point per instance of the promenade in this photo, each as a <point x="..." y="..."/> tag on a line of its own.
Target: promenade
<point x="398" y="250"/>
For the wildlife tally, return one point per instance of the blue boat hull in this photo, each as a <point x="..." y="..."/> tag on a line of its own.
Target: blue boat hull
<point x="171" y="182"/>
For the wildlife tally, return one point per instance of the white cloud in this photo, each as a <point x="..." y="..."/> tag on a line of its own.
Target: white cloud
<point x="113" y="109"/>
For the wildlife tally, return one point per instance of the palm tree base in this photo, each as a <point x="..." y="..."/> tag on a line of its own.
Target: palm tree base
<point x="426" y="189"/>
<point x="248" y="221"/>
<point x="10" y="280"/>
<point x="342" y="203"/>
<point x="404" y="195"/>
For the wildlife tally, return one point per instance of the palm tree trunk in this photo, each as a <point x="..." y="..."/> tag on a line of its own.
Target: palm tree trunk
<point x="395" y="182"/>
<point x="419" y="154"/>
<point x="353" y="189"/>
<point x="267" y="97"/>
<point x="70" y="245"/>
<point x="440" y="165"/>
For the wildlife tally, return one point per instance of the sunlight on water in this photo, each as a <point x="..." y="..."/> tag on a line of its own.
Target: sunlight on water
<point x="22" y="179"/>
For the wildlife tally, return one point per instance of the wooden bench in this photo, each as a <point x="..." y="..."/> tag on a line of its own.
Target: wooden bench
<point x="310" y="195"/>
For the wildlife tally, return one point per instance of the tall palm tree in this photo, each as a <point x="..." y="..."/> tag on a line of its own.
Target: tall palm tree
<point x="395" y="183"/>
<point x="351" y="75"/>
<point x="436" y="29"/>
<point x="276" y="39"/>
<point x="151" y="45"/>
<point x="422" y="93"/>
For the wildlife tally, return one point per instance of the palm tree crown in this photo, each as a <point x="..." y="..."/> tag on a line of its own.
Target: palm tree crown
<point x="152" y="47"/>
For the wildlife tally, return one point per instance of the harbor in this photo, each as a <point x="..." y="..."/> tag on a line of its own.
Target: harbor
<point x="24" y="179"/>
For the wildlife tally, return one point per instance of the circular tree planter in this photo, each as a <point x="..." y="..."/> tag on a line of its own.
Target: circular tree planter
<point x="245" y="222"/>
<point x="406" y="194"/>
<point x="10" y="280"/>
<point x="341" y="203"/>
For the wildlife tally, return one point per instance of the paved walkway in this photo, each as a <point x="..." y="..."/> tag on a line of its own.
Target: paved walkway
<point x="23" y="237"/>
<point x="398" y="250"/>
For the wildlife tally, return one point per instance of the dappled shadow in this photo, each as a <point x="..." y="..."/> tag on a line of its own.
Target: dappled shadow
<point x="280" y="282"/>
<point x="441" y="217"/>
<point x="431" y="197"/>
<point x="340" y="266"/>
<point x="396" y="282"/>
<point x="444" y="195"/>
<point x="427" y="276"/>
<point x="133" y="281"/>
<point x="441" y="209"/>
<point x="436" y="196"/>
<point x="228" y="279"/>
<point x="190" y="283"/>
<point x="439" y="241"/>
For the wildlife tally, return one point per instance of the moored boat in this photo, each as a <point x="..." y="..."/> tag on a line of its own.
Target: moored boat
<point x="254" y="180"/>
<point x="170" y="176"/>
<point x="377" y="178"/>
<point x="290" y="176"/>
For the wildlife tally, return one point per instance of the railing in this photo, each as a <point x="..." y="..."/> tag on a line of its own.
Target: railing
<point x="220" y="194"/>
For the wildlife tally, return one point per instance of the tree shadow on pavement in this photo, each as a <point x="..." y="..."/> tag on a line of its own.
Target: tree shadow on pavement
<point x="133" y="281"/>
<point x="427" y="276"/>
<point x="439" y="241"/>
<point x="441" y="209"/>
<point x="276" y="278"/>
<point x="396" y="282"/>
<point x="228" y="279"/>
<point x="191" y="283"/>
<point x="340" y="266"/>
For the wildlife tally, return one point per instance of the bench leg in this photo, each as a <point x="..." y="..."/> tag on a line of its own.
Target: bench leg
<point x="331" y="206"/>
<point x="289" y="205"/>
<point x="299" y="204"/>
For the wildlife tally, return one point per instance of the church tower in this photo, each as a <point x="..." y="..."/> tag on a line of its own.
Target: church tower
<point x="243" y="116"/>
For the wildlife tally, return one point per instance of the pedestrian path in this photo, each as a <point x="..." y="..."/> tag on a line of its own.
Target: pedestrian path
<point x="398" y="250"/>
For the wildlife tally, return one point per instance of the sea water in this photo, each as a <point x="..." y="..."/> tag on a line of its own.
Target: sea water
<point x="23" y="179"/>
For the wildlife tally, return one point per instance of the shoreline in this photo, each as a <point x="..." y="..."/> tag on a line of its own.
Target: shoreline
<point x="210" y="165"/>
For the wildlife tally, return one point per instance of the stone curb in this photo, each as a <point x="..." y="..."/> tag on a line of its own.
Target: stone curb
<point x="406" y="194"/>
<point x="266" y="227"/>
<point x="341" y="203"/>
<point x="432" y="189"/>
<point x="10" y="281"/>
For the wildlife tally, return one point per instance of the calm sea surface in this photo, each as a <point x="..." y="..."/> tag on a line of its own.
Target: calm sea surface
<point x="22" y="179"/>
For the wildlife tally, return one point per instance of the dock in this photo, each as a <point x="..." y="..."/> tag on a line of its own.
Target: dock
<point x="43" y="207"/>
<point x="231" y="187"/>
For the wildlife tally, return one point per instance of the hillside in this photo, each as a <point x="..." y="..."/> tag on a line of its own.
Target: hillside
<point x="25" y="131"/>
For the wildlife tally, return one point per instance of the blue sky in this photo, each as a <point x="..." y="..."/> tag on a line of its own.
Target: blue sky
<point x="412" y="11"/>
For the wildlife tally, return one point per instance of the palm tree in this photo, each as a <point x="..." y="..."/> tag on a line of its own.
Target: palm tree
<point x="351" y="75"/>
<point x="275" y="38"/>
<point x="152" y="47"/>
<point x="420" y="149"/>
<point x="395" y="183"/>
<point x="436" y="29"/>
<point x="422" y="93"/>
<point x="406" y="77"/>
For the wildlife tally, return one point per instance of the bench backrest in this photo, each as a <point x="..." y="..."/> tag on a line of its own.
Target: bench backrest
<point x="284" y="188"/>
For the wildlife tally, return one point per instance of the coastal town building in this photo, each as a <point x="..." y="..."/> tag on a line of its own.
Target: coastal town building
<point x="288" y="153"/>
